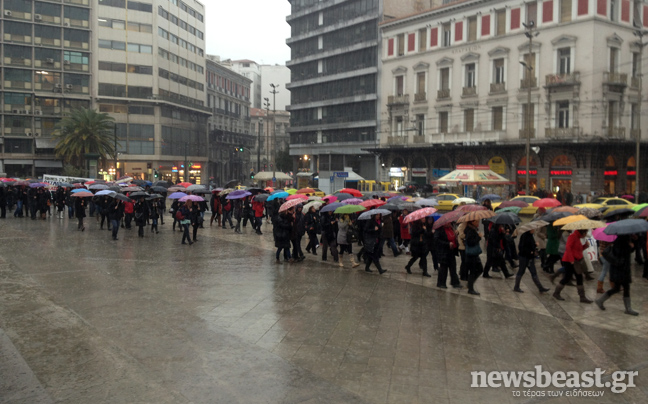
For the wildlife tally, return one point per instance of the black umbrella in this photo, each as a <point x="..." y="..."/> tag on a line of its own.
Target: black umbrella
<point x="115" y="188"/>
<point x="161" y="183"/>
<point x="155" y="196"/>
<point x="261" y="197"/>
<point x="505" y="218"/>
<point x="553" y="216"/>
<point x="341" y="196"/>
<point x="158" y="188"/>
<point x="141" y="183"/>
<point x="120" y="197"/>
<point x="201" y="192"/>
<point x="391" y="206"/>
<point x="256" y="190"/>
<point x="620" y="211"/>
<point x="231" y="184"/>
<point x="627" y="226"/>
<point x="411" y="207"/>
<point x="138" y="194"/>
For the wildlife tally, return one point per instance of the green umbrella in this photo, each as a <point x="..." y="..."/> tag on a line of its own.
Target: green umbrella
<point x="512" y="209"/>
<point x="639" y="207"/>
<point x="348" y="209"/>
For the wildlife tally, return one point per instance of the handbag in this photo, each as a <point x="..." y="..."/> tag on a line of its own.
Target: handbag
<point x="474" y="250"/>
<point x="612" y="258"/>
<point x="580" y="267"/>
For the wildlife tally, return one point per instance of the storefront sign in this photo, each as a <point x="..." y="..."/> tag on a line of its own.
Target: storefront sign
<point x="497" y="165"/>
<point x="631" y="173"/>
<point x="419" y="172"/>
<point x="396" y="172"/>
<point x="196" y="167"/>
<point x="174" y="169"/>
<point x="523" y="172"/>
<point x="439" y="172"/>
<point x="561" y="173"/>
<point x="611" y="173"/>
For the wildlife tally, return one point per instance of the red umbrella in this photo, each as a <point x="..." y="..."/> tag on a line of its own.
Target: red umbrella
<point x="289" y="204"/>
<point x="297" y="196"/>
<point x="185" y="184"/>
<point x="516" y="203"/>
<point x="447" y="218"/>
<point x="373" y="203"/>
<point x="351" y="191"/>
<point x="419" y="214"/>
<point x="269" y="189"/>
<point x="470" y="208"/>
<point x="306" y="191"/>
<point x="546" y="203"/>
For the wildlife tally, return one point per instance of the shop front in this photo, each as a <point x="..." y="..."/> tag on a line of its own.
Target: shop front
<point x="397" y="176"/>
<point x="419" y="176"/>
<point x="610" y="176"/>
<point x="171" y="173"/>
<point x="560" y="174"/>
<point x="522" y="175"/>
<point x="631" y="176"/>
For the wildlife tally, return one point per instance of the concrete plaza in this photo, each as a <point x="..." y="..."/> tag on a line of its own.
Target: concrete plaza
<point x="84" y="319"/>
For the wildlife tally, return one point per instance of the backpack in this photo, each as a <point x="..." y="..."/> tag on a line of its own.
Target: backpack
<point x="179" y="215"/>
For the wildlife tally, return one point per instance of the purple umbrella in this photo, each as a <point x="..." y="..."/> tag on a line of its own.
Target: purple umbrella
<point x="397" y="198"/>
<point x="241" y="193"/>
<point x="352" y="201"/>
<point x="177" y="195"/>
<point x="38" y="185"/>
<point x="194" y="198"/>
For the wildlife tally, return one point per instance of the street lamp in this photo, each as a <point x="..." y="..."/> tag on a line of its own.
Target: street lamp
<point x="259" y="145"/>
<point x="640" y="34"/>
<point x="527" y="127"/>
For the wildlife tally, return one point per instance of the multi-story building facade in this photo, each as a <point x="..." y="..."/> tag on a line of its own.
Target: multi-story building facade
<point x="271" y="129"/>
<point x="230" y="138"/>
<point x="457" y="81"/>
<point x="46" y="54"/>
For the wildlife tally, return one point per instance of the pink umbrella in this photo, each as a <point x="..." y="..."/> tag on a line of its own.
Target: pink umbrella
<point x="352" y="201"/>
<point x="297" y="196"/>
<point x="290" y="204"/>
<point x="601" y="236"/>
<point x="330" y="198"/>
<point x="629" y="197"/>
<point x="194" y="198"/>
<point x="419" y="214"/>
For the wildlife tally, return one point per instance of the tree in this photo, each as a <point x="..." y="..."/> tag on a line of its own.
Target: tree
<point x="284" y="161"/>
<point x="84" y="131"/>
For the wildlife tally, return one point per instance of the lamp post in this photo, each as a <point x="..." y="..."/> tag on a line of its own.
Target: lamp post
<point x="259" y="145"/>
<point x="186" y="164"/>
<point x="274" y="114"/>
<point x="527" y="124"/>
<point x="640" y="34"/>
<point x="115" y="145"/>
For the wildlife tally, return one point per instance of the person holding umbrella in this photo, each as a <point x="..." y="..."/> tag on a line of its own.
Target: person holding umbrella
<point x="618" y="255"/>
<point x="473" y="265"/>
<point x="215" y="205"/>
<point x="329" y="235"/>
<point x="445" y="243"/>
<point x="419" y="249"/>
<point x="371" y="235"/>
<point x="79" y="210"/>
<point x="116" y="211"/>
<point x="183" y="216"/>
<point x="312" y="227"/>
<point x="404" y="232"/>
<point x="141" y="215"/>
<point x="345" y="225"/>
<point x="495" y="251"/>
<point x="257" y="208"/>
<point x="571" y="258"/>
<point x="282" y="230"/>
<point x="527" y="248"/>
<point x="155" y="215"/>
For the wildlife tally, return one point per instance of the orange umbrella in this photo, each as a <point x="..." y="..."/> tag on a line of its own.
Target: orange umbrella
<point x="569" y="219"/>
<point x="306" y="191"/>
<point x="546" y="203"/>
<point x="372" y="203"/>
<point x="269" y="189"/>
<point x="569" y="209"/>
<point x="351" y="191"/>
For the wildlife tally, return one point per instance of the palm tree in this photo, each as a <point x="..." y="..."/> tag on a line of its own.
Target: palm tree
<point x="84" y="131"/>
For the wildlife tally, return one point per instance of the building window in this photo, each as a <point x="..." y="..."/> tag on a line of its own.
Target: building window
<point x="500" y="21"/>
<point x="564" y="61"/>
<point x="470" y="75"/>
<point x="613" y="8"/>
<point x="401" y="44"/>
<point x="469" y="120"/>
<point x="498" y="118"/>
<point x="422" y="40"/>
<point x="420" y="124"/>
<point x="528" y="116"/>
<point x="445" y="79"/>
<point x="614" y="60"/>
<point x="613" y="114"/>
<point x="531" y="12"/>
<point x="528" y="69"/>
<point x="420" y="86"/>
<point x="636" y="66"/>
<point x="498" y="71"/>
<point x="634" y="117"/>
<point x="399" y="85"/>
<point x="472" y="29"/>
<point x="565" y="10"/>
<point x="562" y="114"/>
<point x="443" y="122"/>
<point x="447" y="34"/>
<point x="398" y="127"/>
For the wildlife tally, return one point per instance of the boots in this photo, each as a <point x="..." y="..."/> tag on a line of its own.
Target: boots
<point x="409" y="271"/>
<point x="599" y="287"/>
<point x="556" y="293"/>
<point x="426" y="274"/>
<point x="340" y="263"/>
<point x="588" y="276"/>
<point x="628" y="308"/>
<point x="541" y="288"/>
<point x="354" y="264"/>
<point x="517" y="285"/>
<point x="581" y="293"/>
<point x="599" y="302"/>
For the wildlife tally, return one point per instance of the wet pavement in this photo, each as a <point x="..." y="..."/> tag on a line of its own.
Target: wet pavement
<point x="84" y="319"/>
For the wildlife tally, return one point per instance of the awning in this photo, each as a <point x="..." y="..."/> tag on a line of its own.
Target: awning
<point x="48" y="164"/>
<point x="267" y="176"/>
<point x="46" y="143"/>
<point x="473" y="175"/>
<point x="304" y="174"/>
<point x="19" y="162"/>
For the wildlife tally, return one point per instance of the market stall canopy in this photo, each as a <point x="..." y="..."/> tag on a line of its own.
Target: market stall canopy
<point x="473" y="175"/>
<point x="267" y="176"/>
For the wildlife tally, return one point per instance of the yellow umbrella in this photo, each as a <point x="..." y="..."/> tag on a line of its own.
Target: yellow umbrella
<point x="584" y="225"/>
<point x="291" y="191"/>
<point x="569" y="219"/>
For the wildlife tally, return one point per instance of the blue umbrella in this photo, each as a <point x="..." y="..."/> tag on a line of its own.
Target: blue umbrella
<point x="490" y="196"/>
<point x="74" y="191"/>
<point x="436" y="215"/>
<point x="105" y="192"/>
<point x="627" y="226"/>
<point x="331" y="207"/>
<point x="177" y="195"/>
<point x="278" y="195"/>
<point x="240" y="194"/>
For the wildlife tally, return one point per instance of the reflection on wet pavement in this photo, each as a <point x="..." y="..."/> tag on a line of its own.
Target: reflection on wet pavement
<point x="150" y="320"/>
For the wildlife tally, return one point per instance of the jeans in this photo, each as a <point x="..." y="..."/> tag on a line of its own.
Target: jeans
<point x="524" y="263"/>
<point x="185" y="234"/>
<point x="115" y="228"/>
<point x="19" y="209"/>
<point x="227" y="216"/>
<point x="286" y="253"/>
<point x="391" y="243"/>
<point x="605" y="268"/>
<point x="70" y="212"/>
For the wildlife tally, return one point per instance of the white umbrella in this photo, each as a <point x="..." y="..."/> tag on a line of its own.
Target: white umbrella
<point x="530" y="226"/>
<point x="315" y="204"/>
<point x="463" y="200"/>
<point x="428" y="202"/>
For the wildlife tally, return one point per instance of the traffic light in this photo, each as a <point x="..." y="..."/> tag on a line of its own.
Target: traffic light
<point x="252" y="175"/>
<point x="238" y="149"/>
<point x="155" y="173"/>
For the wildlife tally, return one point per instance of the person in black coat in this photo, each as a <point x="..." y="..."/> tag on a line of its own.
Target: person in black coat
<point x="527" y="252"/>
<point x="103" y="208"/>
<point x="156" y="213"/>
<point x="495" y="251"/>
<point x="3" y="203"/>
<point x="620" y="272"/>
<point x="418" y="247"/>
<point x="175" y="206"/>
<point x="445" y="244"/>
<point x="79" y="211"/>
<point x="297" y="234"/>
<point x="329" y="235"/>
<point x="473" y="262"/>
<point x="59" y="201"/>
<point x="141" y="215"/>
<point x="371" y="236"/>
<point x="312" y="227"/>
<point x="429" y="241"/>
<point x="115" y="211"/>
<point x="195" y="218"/>
<point x="282" y="230"/>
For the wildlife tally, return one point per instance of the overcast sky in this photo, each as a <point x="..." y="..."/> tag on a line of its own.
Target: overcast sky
<point x="248" y="29"/>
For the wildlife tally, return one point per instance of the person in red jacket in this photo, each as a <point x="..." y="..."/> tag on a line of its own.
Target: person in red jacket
<point x="573" y="257"/>
<point x="128" y="212"/>
<point x="257" y="207"/>
<point x="404" y="232"/>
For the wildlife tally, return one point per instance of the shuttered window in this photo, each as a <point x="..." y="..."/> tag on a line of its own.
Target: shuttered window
<point x="501" y="22"/>
<point x="498" y="118"/>
<point x="565" y="10"/>
<point x="422" y="40"/>
<point x="469" y="120"/>
<point x="443" y="122"/>
<point x="498" y="70"/>
<point x="472" y="29"/>
<point x="445" y="78"/>
<point x="401" y="44"/>
<point x="420" y="83"/>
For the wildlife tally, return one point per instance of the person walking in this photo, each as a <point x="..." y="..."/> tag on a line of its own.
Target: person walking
<point x="605" y="266"/>
<point x="345" y="229"/>
<point x="418" y="247"/>
<point x="461" y="236"/>
<point x="59" y="200"/>
<point x="429" y="240"/>
<point x="329" y="236"/>
<point x="282" y="229"/>
<point x="445" y="241"/>
<point x="257" y="208"/>
<point x="79" y="211"/>
<point x="116" y="212"/>
<point x="215" y="205"/>
<point x="571" y="259"/>
<point x="312" y="226"/>
<point x="553" y="243"/>
<point x="129" y="212"/>
<point x="473" y="264"/>
<point x="371" y="236"/>
<point x="155" y="210"/>
<point x="527" y="248"/>
<point x="495" y="252"/>
<point x="141" y="215"/>
<point x="388" y="237"/>
<point x="182" y="216"/>
<point x="620" y="272"/>
<point x="296" y="235"/>
<point x="404" y="232"/>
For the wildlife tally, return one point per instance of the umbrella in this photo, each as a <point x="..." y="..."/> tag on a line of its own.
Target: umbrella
<point x="115" y="188"/>
<point x="628" y="197"/>
<point x="75" y="191"/>
<point x="471" y="208"/>
<point x="278" y="195"/>
<point x="217" y="190"/>
<point x="290" y="204"/>
<point x="161" y="183"/>
<point x="313" y="204"/>
<point x="256" y="190"/>
<point x="463" y="200"/>
<point x="599" y="234"/>
<point x="120" y="197"/>
<point x="428" y="202"/>
<point x="177" y="195"/>
<point x="378" y="194"/>
<point x="513" y="209"/>
<point x="132" y="189"/>
<point x="176" y="188"/>
<point x="589" y="213"/>
<point x="297" y="196"/>
<point x="505" y="218"/>
<point x="546" y="203"/>
<point x="261" y="197"/>
<point x="315" y="198"/>
<point x="491" y="197"/>
<point x="240" y="194"/>
<point x="620" y="211"/>
<point x="38" y="185"/>
<point x="553" y="216"/>
<point x="513" y="203"/>
<point x="231" y="183"/>
<point x="351" y="191"/>
<point x="331" y="207"/>
<point x="569" y="209"/>
<point x="373" y="203"/>
<point x="397" y="198"/>
<point x="419" y="214"/>
<point x="627" y="226"/>
<point x="391" y="206"/>
<point x="158" y="188"/>
<point x="352" y="201"/>
<point x="348" y="209"/>
<point x="226" y="191"/>
<point x="139" y="182"/>
<point x="306" y="191"/>
<point x="138" y="194"/>
<point x="291" y="191"/>
<point x="104" y="192"/>
<point x="83" y="194"/>
<point x="269" y="189"/>
<point x="343" y="197"/>
<point x="447" y="218"/>
<point x="65" y="185"/>
<point x="155" y="196"/>
<point x="585" y="224"/>
<point x="409" y="206"/>
<point x="330" y="198"/>
<point x="185" y="184"/>
<point x="530" y="226"/>
<point x="203" y="191"/>
<point x="368" y="214"/>
<point x="195" y="187"/>
<point x="194" y="198"/>
<point x="569" y="219"/>
<point x="476" y="215"/>
<point x="636" y="208"/>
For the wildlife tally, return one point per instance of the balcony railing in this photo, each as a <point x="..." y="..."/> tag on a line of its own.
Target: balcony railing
<point x="617" y="79"/>
<point x="397" y="140"/>
<point x="531" y="132"/>
<point x="562" y="79"/>
<point x="634" y="133"/>
<point x="469" y="91"/>
<point x="562" y="133"/>
<point x="529" y="82"/>
<point x="420" y="97"/>
<point x="443" y="93"/>
<point x="419" y="139"/>
<point x="615" y="133"/>
<point x="635" y="82"/>
<point x="398" y="99"/>
<point x="466" y="137"/>
<point x="497" y="88"/>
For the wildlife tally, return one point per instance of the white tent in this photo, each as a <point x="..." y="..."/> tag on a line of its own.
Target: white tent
<point x="267" y="176"/>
